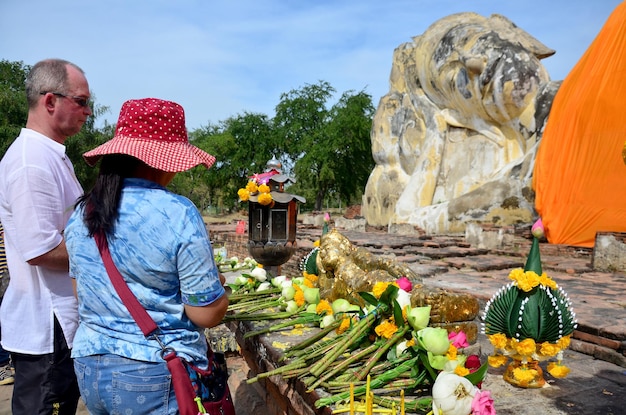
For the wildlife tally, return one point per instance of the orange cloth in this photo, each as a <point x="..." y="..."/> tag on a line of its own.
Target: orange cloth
<point x="580" y="176"/>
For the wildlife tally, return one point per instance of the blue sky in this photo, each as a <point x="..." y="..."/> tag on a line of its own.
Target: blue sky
<point x="222" y="58"/>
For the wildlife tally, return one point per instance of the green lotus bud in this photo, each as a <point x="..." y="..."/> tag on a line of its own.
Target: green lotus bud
<point x="434" y="340"/>
<point x="311" y="308"/>
<point x="240" y="280"/>
<point x="327" y="321"/>
<point x="340" y="305"/>
<point x="419" y="317"/>
<point x="292" y="307"/>
<point x="288" y="293"/>
<point x="311" y="295"/>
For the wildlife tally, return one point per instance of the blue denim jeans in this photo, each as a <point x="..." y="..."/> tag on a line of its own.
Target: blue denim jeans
<point x="110" y="384"/>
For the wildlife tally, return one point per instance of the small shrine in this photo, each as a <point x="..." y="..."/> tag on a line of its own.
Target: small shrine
<point x="272" y="217"/>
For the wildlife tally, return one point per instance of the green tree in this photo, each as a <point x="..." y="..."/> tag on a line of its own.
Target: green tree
<point x="13" y="106"/>
<point x="329" y="148"/>
<point x="242" y="145"/>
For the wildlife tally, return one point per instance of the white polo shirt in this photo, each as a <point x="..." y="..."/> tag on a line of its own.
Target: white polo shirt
<point x="38" y="190"/>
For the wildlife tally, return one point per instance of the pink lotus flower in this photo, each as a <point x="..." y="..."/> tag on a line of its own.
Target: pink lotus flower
<point x="458" y="340"/>
<point x="537" y="229"/>
<point x="482" y="404"/>
<point x="405" y="284"/>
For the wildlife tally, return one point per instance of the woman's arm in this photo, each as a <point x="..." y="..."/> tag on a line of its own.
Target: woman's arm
<point x="209" y="315"/>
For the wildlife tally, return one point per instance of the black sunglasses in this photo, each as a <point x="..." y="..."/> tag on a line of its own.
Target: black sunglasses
<point x="81" y="101"/>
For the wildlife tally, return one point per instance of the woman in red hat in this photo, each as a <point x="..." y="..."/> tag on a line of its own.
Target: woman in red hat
<point x="159" y="243"/>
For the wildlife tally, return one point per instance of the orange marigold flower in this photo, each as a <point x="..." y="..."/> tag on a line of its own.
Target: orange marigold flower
<point x="243" y="194"/>
<point x="498" y="340"/>
<point x="308" y="283"/>
<point x="252" y="187"/>
<point x="379" y="288"/>
<point x="265" y="199"/>
<point x="558" y="370"/>
<point x="324" y="307"/>
<point x="526" y="347"/>
<point x="497" y="360"/>
<point x="549" y="349"/>
<point x="264" y="188"/>
<point x="461" y="370"/>
<point x="345" y="325"/>
<point x="310" y="277"/>
<point x="386" y="329"/>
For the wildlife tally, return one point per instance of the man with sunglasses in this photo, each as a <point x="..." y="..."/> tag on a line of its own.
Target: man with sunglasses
<point x="38" y="190"/>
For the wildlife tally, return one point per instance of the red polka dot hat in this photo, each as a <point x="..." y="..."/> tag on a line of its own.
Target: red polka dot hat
<point x="153" y="130"/>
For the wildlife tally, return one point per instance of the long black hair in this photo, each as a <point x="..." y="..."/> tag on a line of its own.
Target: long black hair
<point x="101" y="203"/>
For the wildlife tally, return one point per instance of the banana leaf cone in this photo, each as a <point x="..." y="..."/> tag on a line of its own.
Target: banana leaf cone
<point x="533" y="263"/>
<point x="531" y="306"/>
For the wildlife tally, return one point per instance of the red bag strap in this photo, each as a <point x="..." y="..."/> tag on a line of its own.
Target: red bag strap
<point x="139" y="313"/>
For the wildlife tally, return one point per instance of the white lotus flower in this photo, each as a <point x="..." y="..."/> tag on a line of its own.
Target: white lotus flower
<point x="264" y="286"/>
<point x="259" y="274"/>
<point x="452" y="395"/>
<point x="404" y="299"/>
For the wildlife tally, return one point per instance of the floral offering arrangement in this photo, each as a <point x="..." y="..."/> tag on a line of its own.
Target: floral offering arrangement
<point x="383" y="344"/>
<point x="529" y="320"/>
<point x="258" y="188"/>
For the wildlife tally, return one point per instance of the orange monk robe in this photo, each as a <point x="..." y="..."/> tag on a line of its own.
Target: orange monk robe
<point x="580" y="176"/>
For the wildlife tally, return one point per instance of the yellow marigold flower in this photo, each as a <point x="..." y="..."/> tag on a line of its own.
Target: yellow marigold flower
<point x="497" y="360"/>
<point x="549" y="349"/>
<point x="524" y="375"/>
<point x="345" y="325"/>
<point x="243" y="194"/>
<point x="308" y="283"/>
<point x="564" y="342"/>
<point x="410" y="343"/>
<point x="265" y="199"/>
<point x="386" y="329"/>
<point x="379" y="288"/>
<point x="558" y="370"/>
<point x="547" y="281"/>
<point x="405" y="312"/>
<point x="310" y="277"/>
<point x="324" y="307"/>
<point x="498" y="340"/>
<point x="252" y="187"/>
<point x="461" y="370"/>
<point x="264" y="188"/>
<point x="528" y="281"/>
<point x="526" y="347"/>
<point x="512" y="343"/>
<point x="317" y="243"/>
<point x="452" y="352"/>
<point x="516" y="274"/>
